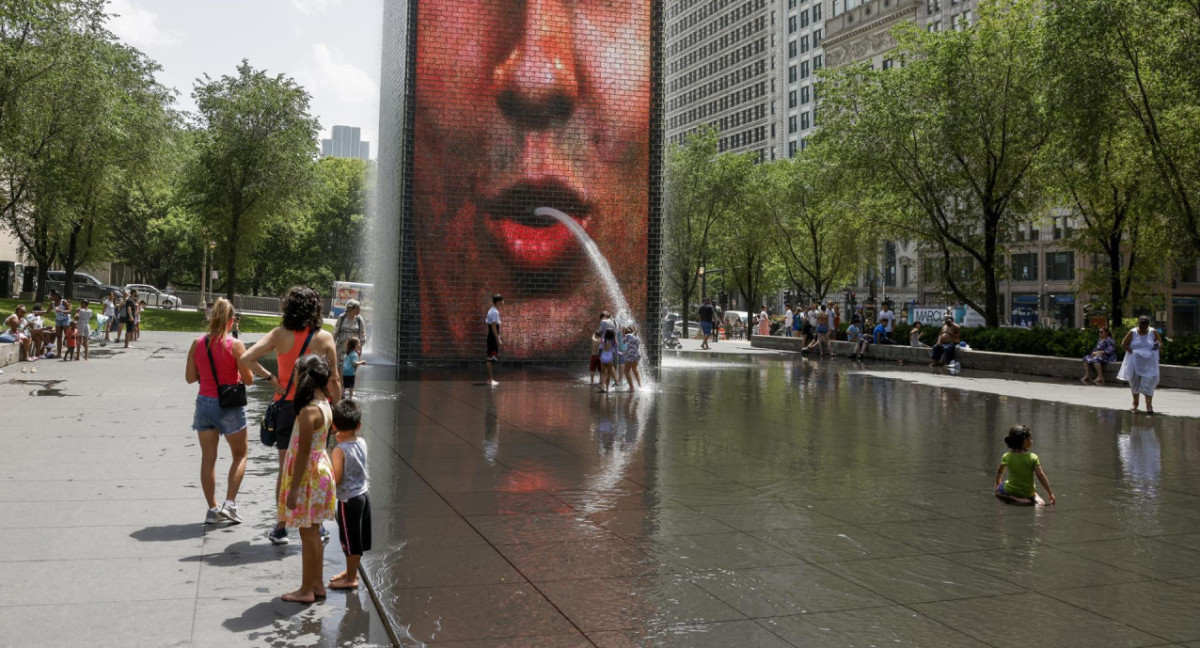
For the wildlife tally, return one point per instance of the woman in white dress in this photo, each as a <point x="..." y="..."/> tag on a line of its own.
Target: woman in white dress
<point x="1140" y="367"/>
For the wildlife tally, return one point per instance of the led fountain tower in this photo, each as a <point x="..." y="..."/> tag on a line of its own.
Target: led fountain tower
<point x="520" y="154"/>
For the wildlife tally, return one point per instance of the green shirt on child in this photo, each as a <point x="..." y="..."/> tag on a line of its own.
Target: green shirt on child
<point x="1020" y="473"/>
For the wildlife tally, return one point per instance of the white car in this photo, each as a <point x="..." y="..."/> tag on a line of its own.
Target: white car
<point x="155" y="297"/>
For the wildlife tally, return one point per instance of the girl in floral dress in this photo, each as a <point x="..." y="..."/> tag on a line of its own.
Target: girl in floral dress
<point x="307" y="493"/>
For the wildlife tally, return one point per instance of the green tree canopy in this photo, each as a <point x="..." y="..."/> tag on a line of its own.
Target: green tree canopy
<point x="956" y="132"/>
<point x="255" y="146"/>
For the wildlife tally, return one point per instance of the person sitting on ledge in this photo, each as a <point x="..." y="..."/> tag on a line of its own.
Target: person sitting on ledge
<point x="1104" y="353"/>
<point x="947" y="343"/>
<point x="12" y="333"/>
<point x="880" y="335"/>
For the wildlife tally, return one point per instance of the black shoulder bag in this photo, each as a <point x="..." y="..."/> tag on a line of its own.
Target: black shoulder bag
<point x="227" y="395"/>
<point x="270" y="420"/>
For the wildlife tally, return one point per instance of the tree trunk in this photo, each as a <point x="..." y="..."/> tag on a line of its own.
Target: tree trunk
<point x="991" y="288"/>
<point x="231" y="266"/>
<point x="1117" y="312"/>
<point x="69" y="262"/>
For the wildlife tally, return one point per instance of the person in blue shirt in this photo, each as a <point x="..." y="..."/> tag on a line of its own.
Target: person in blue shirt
<point x="350" y="365"/>
<point x="855" y="336"/>
<point x="880" y="335"/>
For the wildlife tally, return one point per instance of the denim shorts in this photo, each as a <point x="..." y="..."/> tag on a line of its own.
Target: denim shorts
<point x="210" y="415"/>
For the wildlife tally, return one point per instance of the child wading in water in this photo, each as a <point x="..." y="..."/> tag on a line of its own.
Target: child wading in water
<point x="350" y="366"/>
<point x="608" y="359"/>
<point x="633" y="355"/>
<point x="306" y="489"/>
<point x="1022" y="465"/>
<point x="353" y="503"/>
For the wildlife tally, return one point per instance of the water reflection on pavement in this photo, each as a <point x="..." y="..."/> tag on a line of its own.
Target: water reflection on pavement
<point x="764" y="501"/>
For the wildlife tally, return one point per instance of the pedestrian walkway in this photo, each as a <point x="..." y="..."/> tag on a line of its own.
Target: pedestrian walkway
<point x="103" y="541"/>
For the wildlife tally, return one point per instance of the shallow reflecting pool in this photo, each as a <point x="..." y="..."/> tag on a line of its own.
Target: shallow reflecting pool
<point x="765" y="501"/>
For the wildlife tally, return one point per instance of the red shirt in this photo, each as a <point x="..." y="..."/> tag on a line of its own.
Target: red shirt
<point x="227" y="370"/>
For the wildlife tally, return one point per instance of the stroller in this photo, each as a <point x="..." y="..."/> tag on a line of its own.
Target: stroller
<point x="97" y="332"/>
<point x="671" y="340"/>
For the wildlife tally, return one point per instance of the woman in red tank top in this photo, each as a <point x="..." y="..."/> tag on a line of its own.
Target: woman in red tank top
<point x="210" y="420"/>
<point x="300" y="324"/>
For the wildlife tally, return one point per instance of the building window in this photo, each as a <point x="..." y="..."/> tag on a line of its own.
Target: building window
<point x="816" y="12"/>
<point x="792" y="49"/>
<point x="791" y="74"/>
<point x="792" y="99"/>
<point x="804" y="44"/>
<point x="792" y="149"/>
<point x="804" y="95"/>
<point x="804" y="19"/>
<point x="887" y="64"/>
<point x="818" y="62"/>
<point x="1062" y="228"/>
<point x="804" y="123"/>
<point x="804" y="69"/>
<point x="1025" y="267"/>
<point x="1060" y="266"/>
<point x="792" y="124"/>
<point x="817" y="36"/>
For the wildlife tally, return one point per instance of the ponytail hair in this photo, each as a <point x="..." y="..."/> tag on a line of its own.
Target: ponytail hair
<point x="312" y="373"/>
<point x="218" y="322"/>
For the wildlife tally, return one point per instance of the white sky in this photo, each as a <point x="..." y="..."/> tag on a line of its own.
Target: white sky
<point x="331" y="47"/>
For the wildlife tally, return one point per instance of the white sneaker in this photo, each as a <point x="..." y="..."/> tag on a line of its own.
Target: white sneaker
<point x="214" y="516"/>
<point x="229" y="511"/>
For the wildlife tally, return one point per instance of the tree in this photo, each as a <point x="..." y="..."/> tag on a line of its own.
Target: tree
<point x="956" y="131"/>
<point x="118" y="115"/>
<point x="817" y="225"/>
<point x="339" y="213"/>
<point x="1101" y="168"/>
<point x="44" y="45"/>
<point x="1149" y="59"/>
<point x="151" y="230"/>
<point x="744" y="240"/>
<point x="703" y="187"/>
<point x="255" y="144"/>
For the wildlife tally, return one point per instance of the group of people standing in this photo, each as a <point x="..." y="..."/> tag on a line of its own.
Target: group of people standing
<point x="69" y="338"/>
<point x="312" y="485"/>
<point x="616" y="353"/>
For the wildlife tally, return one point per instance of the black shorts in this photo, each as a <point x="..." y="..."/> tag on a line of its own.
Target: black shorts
<point x="129" y="324"/>
<point x="348" y="381"/>
<point x="493" y="346"/>
<point x="285" y="421"/>
<point x="354" y="525"/>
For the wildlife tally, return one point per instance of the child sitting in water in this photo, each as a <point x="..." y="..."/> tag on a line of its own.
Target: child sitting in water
<point x="1022" y="465"/>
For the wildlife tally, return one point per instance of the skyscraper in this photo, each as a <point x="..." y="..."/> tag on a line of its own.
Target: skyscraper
<point x="746" y="67"/>
<point x="346" y="143"/>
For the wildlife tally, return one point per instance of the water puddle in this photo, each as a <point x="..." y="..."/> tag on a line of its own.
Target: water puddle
<point x="45" y="387"/>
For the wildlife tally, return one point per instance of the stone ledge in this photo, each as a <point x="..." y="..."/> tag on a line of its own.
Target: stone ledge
<point x="10" y="353"/>
<point x="1173" y="376"/>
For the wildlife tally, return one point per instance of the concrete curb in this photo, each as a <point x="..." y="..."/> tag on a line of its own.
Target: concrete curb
<point x="1171" y="376"/>
<point x="10" y="354"/>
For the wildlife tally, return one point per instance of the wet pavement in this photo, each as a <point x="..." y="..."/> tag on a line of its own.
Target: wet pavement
<point x="767" y="500"/>
<point x="747" y="499"/>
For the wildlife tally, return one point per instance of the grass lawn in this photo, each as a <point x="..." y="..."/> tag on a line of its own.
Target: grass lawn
<point x="157" y="319"/>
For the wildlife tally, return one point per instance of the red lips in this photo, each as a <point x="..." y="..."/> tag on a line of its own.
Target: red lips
<point x="535" y="243"/>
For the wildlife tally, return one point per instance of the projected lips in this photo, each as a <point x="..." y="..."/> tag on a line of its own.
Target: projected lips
<point x="533" y="243"/>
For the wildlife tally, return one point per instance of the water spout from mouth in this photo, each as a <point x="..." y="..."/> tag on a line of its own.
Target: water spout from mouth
<point x="624" y="316"/>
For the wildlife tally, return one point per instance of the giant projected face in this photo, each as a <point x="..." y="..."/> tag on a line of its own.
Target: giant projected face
<point x="523" y="104"/>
